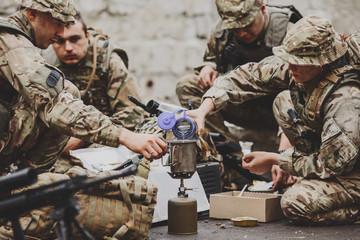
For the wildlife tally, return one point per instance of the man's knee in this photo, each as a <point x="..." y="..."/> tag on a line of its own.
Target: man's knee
<point x="295" y="205"/>
<point x="183" y="83"/>
<point x="187" y="89"/>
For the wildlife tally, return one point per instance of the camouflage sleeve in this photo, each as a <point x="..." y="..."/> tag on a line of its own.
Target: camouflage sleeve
<point x="71" y="117"/>
<point x="209" y="58"/>
<point x="249" y="81"/>
<point x="120" y="85"/>
<point x="353" y="42"/>
<point x="340" y="139"/>
<point x="28" y="73"/>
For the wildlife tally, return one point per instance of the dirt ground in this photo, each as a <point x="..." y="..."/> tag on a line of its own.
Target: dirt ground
<point x="283" y="229"/>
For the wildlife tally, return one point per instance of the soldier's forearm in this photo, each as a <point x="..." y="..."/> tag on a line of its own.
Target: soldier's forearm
<point x="71" y="117"/>
<point x="207" y="106"/>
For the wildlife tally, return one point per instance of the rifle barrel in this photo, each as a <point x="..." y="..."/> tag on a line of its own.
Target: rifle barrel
<point x="17" y="179"/>
<point x="138" y="103"/>
<point x="52" y="194"/>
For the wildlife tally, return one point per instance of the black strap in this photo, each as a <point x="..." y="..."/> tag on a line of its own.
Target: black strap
<point x="295" y="16"/>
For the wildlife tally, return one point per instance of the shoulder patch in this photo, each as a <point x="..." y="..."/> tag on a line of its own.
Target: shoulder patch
<point x="53" y="78"/>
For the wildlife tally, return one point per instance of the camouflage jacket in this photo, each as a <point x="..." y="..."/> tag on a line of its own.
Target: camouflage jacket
<point x="224" y="51"/>
<point x="334" y="97"/>
<point x="271" y="75"/>
<point x="39" y="106"/>
<point x="112" y="82"/>
<point x="338" y="151"/>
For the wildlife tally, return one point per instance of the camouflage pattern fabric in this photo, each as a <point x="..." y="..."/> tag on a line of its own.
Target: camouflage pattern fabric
<point x="330" y="193"/>
<point x="238" y="13"/>
<point x="249" y="115"/>
<point x="118" y="209"/>
<point x="45" y="110"/>
<point x="129" y="117"/>
<point x="109" y="91"/>
<point x="150" y="126"/>
<point x="322" y="202"/>
<point x="64" y="10"/>
<point x="41" y="107"/>
<point x="353" y="42"/>
<point x="328" y="164"/>
<point x="224" y="59"/>
<point x="255" y="117"/>
<point x="250" y="81"/>
<point x="256" y="113"/>
<point x="144" y="168"/>
<point x="36" y="223"/>
<point x="307" y="45"/>
<point x="112" y="83"/>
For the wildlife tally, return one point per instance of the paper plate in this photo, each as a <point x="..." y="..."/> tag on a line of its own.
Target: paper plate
<point x="260" y="186"/>
<point x="259" y="190"/>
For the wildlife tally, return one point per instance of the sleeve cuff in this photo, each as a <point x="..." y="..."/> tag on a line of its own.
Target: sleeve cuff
<point x="285" y="161"/>
<point x="110" y="136"/>
<point x="198" y="68"/>
<point x="219" y="97"/>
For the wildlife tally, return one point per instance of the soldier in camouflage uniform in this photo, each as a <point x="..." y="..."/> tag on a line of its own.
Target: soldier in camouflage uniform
<point x="246" y="32"/>
<point x="321" y="72"/>
<point x="105" y="83"/>
<point x="39" y="108"/>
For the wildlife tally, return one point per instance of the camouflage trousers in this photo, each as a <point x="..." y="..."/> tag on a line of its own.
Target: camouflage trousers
<point x="317" y="201"/>
<point x="255" y="116"/>
<point x="322" y="202"/>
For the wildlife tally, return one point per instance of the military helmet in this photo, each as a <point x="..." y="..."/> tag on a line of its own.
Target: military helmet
<point x="64" y="10"/>
<point x="238" y="13"/>
<point x="311" y="41"/>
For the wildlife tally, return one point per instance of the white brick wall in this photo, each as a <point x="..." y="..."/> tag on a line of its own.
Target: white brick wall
<point x="165" y="39"/>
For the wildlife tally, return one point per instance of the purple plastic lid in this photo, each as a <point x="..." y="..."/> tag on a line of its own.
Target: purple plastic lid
<point x="166" y="121"/>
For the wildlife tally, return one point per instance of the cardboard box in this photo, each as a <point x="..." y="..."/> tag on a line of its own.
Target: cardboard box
<point x="263" y="206"/>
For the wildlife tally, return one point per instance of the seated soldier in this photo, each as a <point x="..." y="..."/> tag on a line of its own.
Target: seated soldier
<point x="319" y="115"/>
<point x="99" y="70"/>
<point x="40" y="110"/>
<point x="246" y="32"/>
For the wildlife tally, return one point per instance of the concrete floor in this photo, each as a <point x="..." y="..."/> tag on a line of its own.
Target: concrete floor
<point x="278" y="230"/>
<point x="210" y="229"/>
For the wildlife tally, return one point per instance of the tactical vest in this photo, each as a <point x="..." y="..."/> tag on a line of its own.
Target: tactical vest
<point x="311" y="111"/>
<point x="90" y="78"/>
<point x="237" y="53"/>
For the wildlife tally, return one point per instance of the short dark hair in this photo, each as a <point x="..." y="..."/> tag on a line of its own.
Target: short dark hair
<point x="81" y="20"/>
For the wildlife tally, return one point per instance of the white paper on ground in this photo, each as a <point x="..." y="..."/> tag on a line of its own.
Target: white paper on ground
<point x="100" y="159"/>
